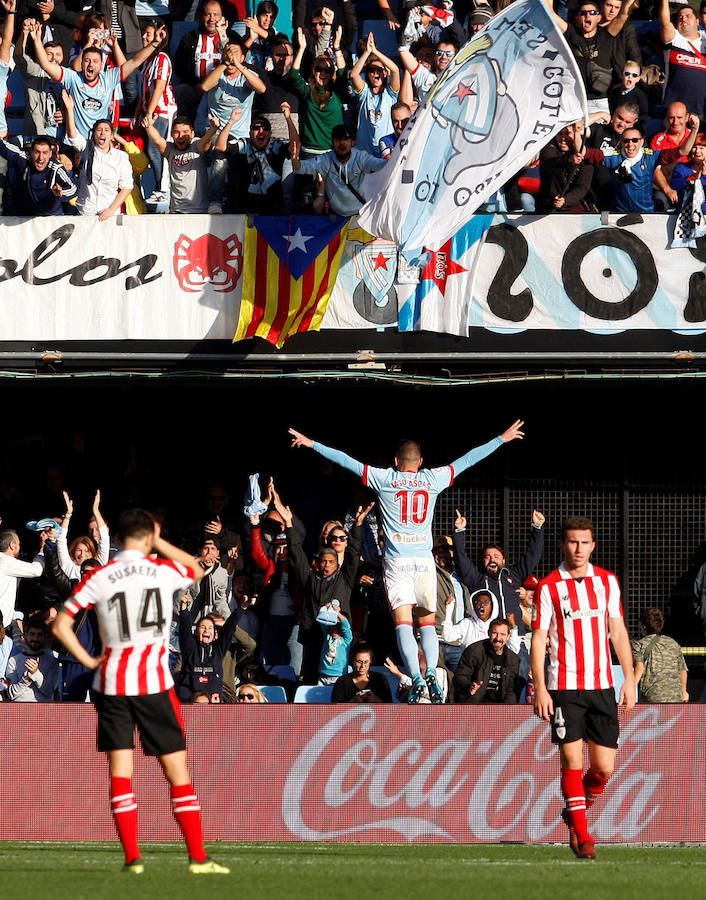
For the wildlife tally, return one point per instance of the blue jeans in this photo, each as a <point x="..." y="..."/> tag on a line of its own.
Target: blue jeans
<point x="452" y="655"/>
<point x="280" y="644"/>
<point x="153" y="154"/>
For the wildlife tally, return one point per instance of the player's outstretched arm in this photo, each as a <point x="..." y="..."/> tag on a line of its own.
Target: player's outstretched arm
<point x="63" y="629"/>
<point x="175" y="554"/>
<point x="335" y="456"/>
<point x="475" y="455"/>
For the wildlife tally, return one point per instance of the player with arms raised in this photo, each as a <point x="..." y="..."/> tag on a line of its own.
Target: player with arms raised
<point x="578" y="606"/>
<point x="407" y="495"/>
<point x="132" y="596"/>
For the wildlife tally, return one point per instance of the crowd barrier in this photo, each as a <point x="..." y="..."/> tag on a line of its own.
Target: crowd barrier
<point x="357" y="773"/>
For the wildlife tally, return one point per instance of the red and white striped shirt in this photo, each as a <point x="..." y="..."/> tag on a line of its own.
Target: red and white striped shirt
<point x="133" y="599"/>
<point x="207" y="54"/>
<point x="575" y="612"/>
<point x="158" y="68"/>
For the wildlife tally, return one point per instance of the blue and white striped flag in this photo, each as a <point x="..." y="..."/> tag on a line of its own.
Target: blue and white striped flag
<point x="505" y="95"/>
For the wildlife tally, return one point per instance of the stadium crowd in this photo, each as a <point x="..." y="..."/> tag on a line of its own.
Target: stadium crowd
<point x="268" y="621"/>
<point x="230" y="115"/>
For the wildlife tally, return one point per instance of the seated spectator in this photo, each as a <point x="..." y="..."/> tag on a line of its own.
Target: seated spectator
<point x="405" y="682"/>
<point x="361" y="685"/>
<point x="630" y="90"/>
<point x="680" y="129"/>
<point x="376" y="95"/>
<point x="334" y="653"/>
<point x="43" y="109"/>
<point x="202" y="652"/>
<point x="197" y="55"/>
<point x="249" y="693"/>
<point x="320" y="99"/>
<point x="342" y="169"/>
<point x="32" y="672"/>
<point x="186" y="158"/>
<point x="278" y="90"/>
<point x="156" y="100"/>
<point x="685" y="72"/>
<point x="92" y="89"/>
<point x="565" y="178"/>
<point x="488" y="671"/>
<point x="40" y="184"/>
<point x="660" y="668"/>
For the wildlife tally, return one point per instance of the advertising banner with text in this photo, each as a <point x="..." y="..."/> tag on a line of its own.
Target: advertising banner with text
<point x="360" y="773"/>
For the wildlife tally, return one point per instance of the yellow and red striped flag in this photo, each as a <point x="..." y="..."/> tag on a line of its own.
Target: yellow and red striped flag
<point x="290" y="267"/>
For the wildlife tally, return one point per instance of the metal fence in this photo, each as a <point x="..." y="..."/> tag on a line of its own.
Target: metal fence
<point x="652" y="537"/>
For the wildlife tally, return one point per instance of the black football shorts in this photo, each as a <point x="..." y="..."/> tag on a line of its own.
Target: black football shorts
<point x="157" y="717"/>
<point x="585" y="715"/>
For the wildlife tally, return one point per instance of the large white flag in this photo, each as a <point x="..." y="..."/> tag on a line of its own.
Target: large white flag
<point x="506" y="94"/>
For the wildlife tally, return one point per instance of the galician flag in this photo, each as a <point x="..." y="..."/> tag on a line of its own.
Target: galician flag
<point x="505" y="95"/>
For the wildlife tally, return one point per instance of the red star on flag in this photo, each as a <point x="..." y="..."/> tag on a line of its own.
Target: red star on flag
<point x="381" y="261"/>
<point x="463" y="91"/>
<point x="440" y="267"/>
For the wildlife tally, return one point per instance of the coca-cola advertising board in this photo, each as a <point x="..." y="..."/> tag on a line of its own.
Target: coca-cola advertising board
<point x="359" y="773"/>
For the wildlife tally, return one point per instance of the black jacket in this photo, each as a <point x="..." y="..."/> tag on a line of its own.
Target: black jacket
<point x="476" y="664"/>
<point x="202" y="664"/>
<point x="510" y="578"/>
<point x="319" y="591"/>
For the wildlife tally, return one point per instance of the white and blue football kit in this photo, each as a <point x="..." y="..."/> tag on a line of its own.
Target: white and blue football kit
<point x="407" y="502"/>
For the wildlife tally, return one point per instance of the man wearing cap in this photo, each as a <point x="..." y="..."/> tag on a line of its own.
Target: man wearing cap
<point x="40" y="183"/>
<point x="255" y="167"/>
<point x="343" y="168"/>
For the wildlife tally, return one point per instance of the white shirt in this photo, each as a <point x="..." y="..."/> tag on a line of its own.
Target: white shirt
<point x="11" y="570"/>
<point x="112" y="172"/>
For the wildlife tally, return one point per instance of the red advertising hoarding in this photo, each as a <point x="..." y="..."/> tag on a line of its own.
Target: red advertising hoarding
<point x="358" y="773"/>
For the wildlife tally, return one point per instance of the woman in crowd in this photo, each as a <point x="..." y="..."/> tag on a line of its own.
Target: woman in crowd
<point x="249" y="693"/>
<point x="82" y="548"/>
<point x="362" y="685"/>
<point x="320" y="98"/>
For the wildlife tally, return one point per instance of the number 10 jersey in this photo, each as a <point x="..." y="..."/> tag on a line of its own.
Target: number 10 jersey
<point x="133" y="599"/>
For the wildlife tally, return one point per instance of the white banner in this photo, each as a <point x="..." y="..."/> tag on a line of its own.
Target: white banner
<point x="505" y="95"/>
<point x="138" y="277"/>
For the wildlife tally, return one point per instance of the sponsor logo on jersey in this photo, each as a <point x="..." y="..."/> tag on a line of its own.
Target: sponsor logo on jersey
<point x="409" y="538"/>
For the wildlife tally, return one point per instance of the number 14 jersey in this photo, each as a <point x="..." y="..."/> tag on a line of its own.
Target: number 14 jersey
<point x="132" y="596"/>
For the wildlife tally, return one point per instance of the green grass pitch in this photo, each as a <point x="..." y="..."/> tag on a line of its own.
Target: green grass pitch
<point x="94" y="871"/>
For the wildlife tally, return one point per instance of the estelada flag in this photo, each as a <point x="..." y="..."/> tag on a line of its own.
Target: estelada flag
<point x="291" y="264"/>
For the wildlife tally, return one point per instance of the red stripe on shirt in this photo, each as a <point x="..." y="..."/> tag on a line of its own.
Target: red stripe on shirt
<point x="142" y="670"/>
<point x="365" y="474"/>
<point x="122" y="668"/>
<point x="453" y="475"/>
<point x="260" y="292"/>
<point x="104" y="666"/>
<point x="160" y="669"/>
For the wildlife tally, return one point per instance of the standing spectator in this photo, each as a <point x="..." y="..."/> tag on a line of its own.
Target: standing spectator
<point x="488" y="671"/>
<point x="376" y="95"/>
<point x="334" y="653"/>
<point x="40" y="184"/>
<point x="278" y="90"/>
<point x="453" y="600"/>
<point x="84" y="547"/>
<point x="578" y="607"/>
<point x="156" y="101"/>
<point x="32" y="672"/>
<point x="42" y="94"/>
<point x="202" y="652"/>
<point x="630" y="90"/>
<point x="5" y="53"/>
<point x="475" y="626"/>
<point x="423" y="77"/>
<point x="56" y="22"/>
<point x="400" y="114"/>
<point x="323" y="23"/>
<point x="660" y="667"/>
<point x="342" y="170"/>
<point x="124" y="24"/>
<point x="198" y="53"/>
<point x="261" y="32"/>
<point x="320" y="99"/>
<point x="684" y="58"/>
<point x="606" y="138"/>
<point x="231" y="85"/>
<point x="625" y="44"/>
<point x="91" y="89"/>
<point x="208" y="597"/>
<point x="11" y="570"/>
<point x="634" y="173"/>
<point x="186" y="158"/>
<point x="6" y="648"/>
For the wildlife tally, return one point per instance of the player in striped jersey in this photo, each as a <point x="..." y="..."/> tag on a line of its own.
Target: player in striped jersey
<point x="132" y="596"/>
<point x="578" y="607"/>
<point x="407" y="496"/>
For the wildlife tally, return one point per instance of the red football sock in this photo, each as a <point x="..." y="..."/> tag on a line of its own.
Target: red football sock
<point x="572" y="789"/>
<point x="593" y="786"/>
<point x="187" y="812"/>
<point x="124" y="809"/>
